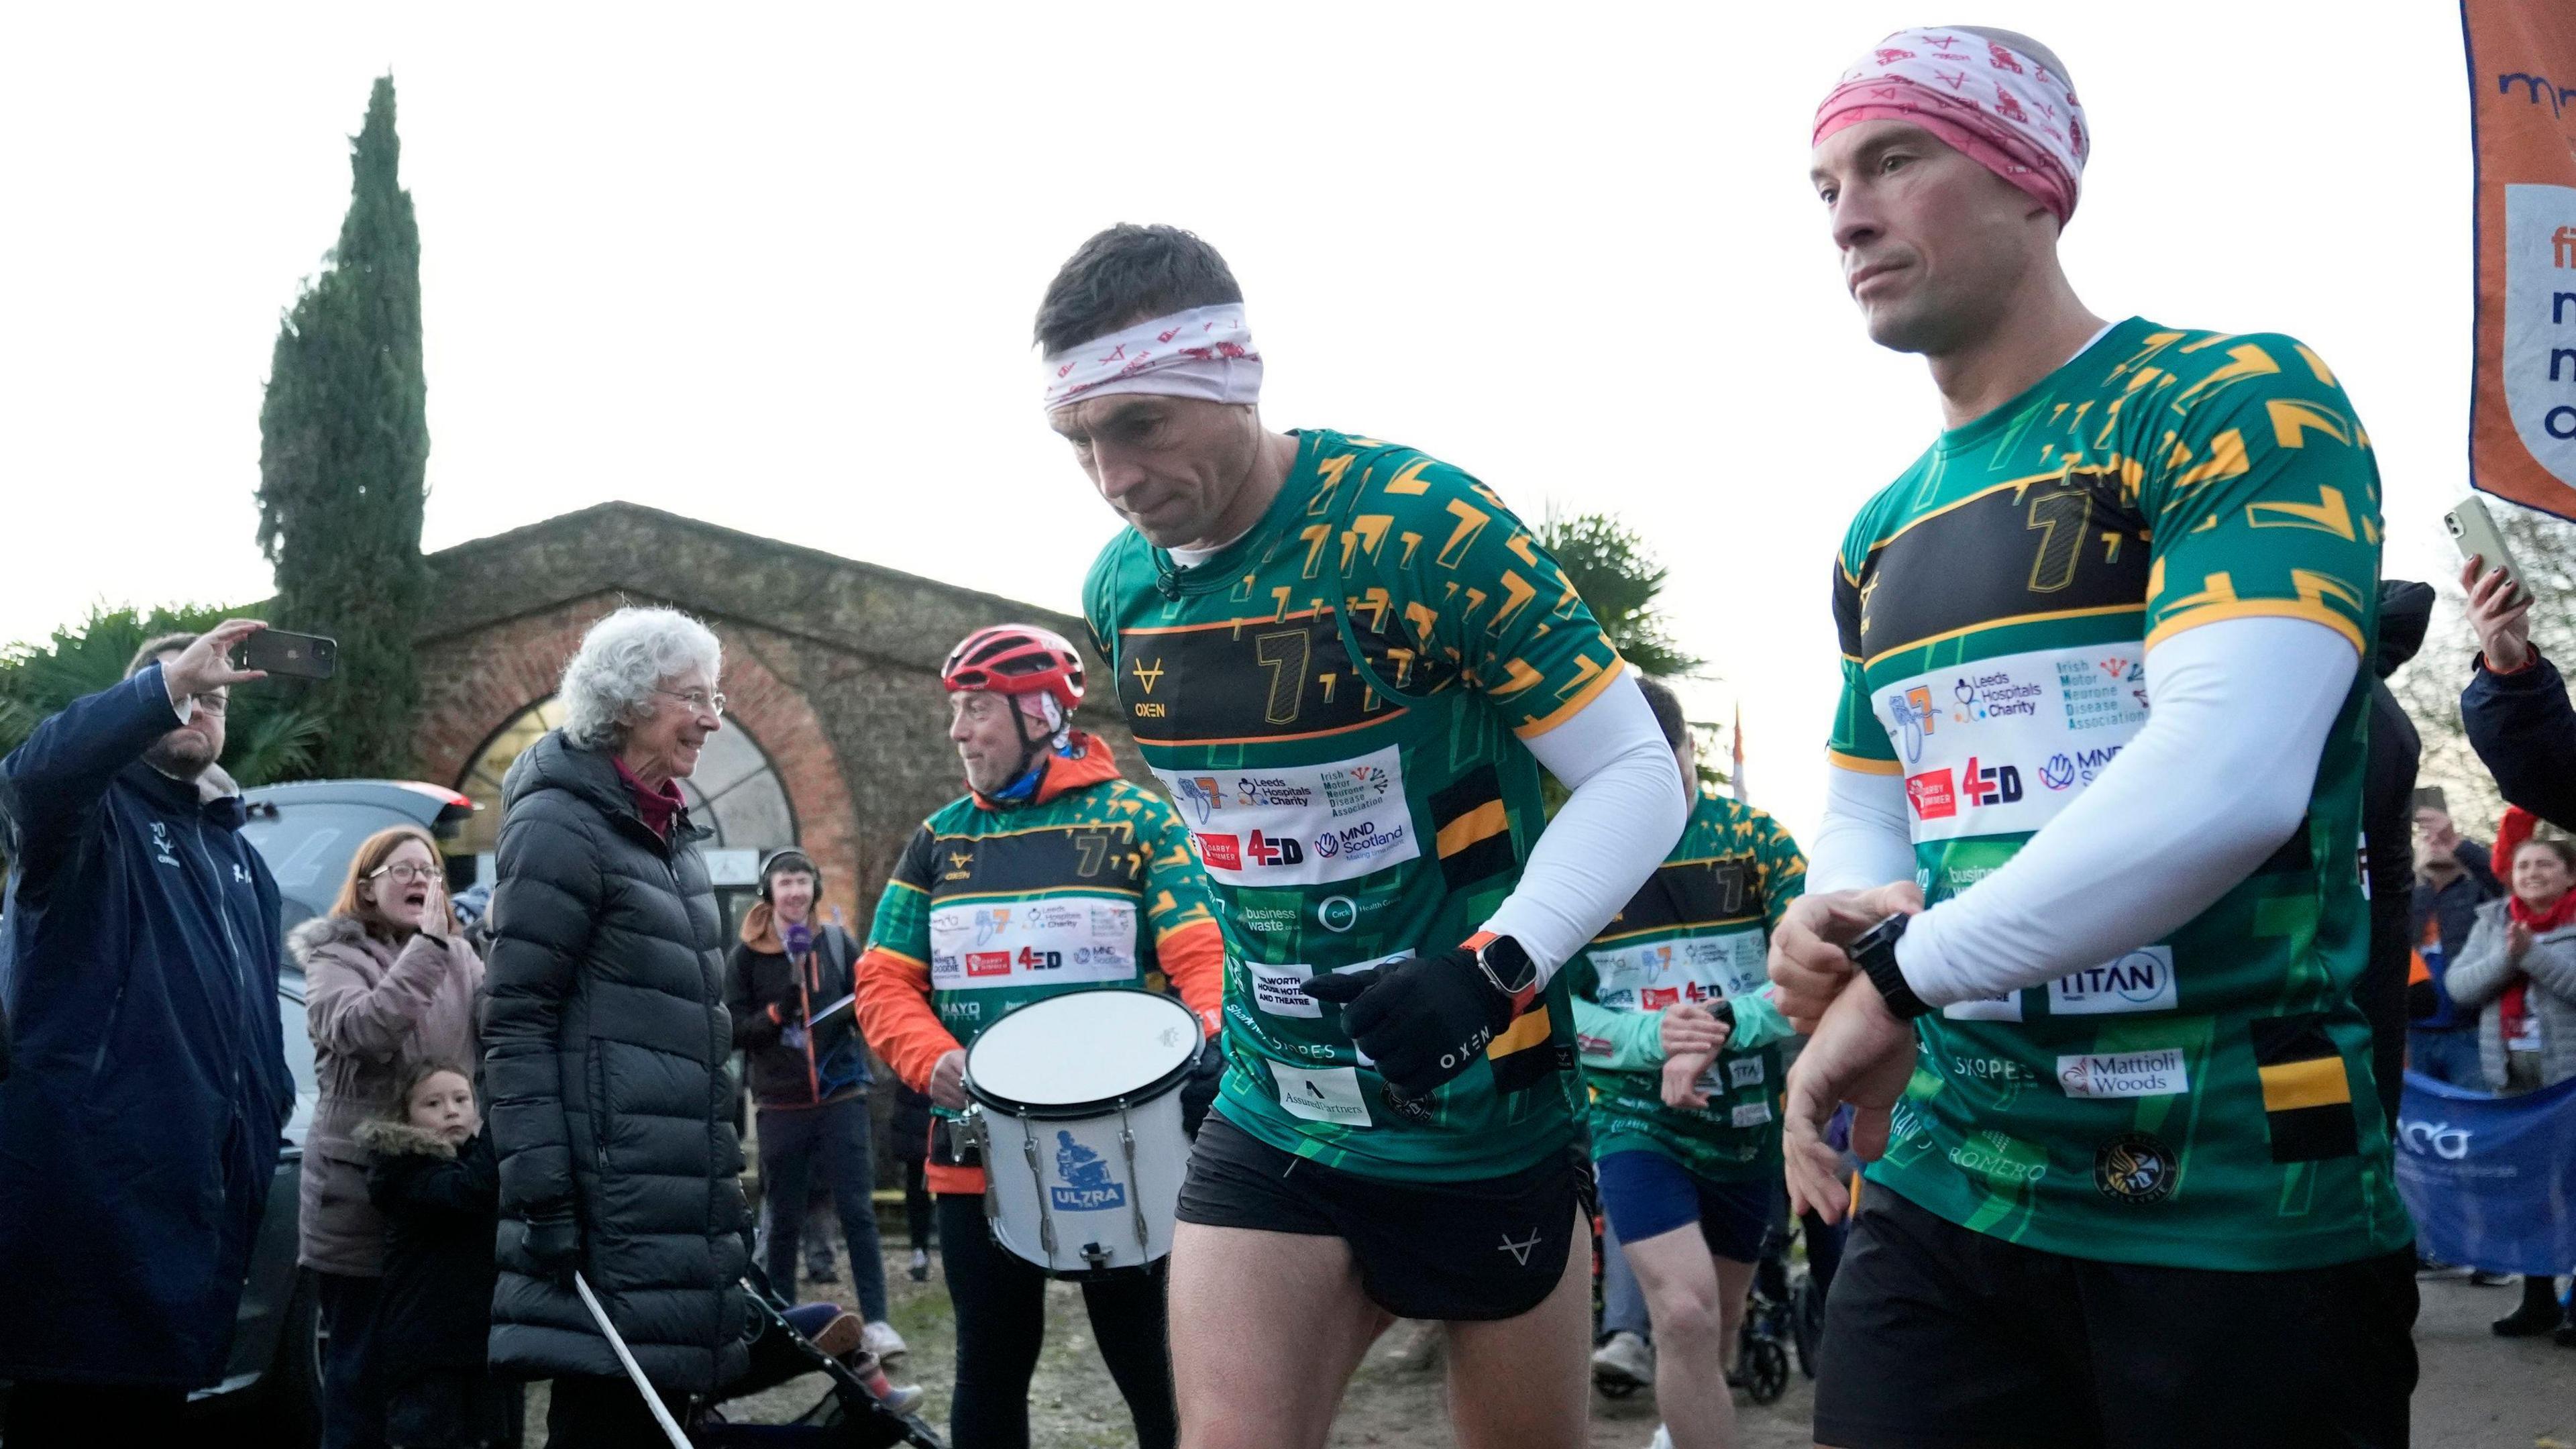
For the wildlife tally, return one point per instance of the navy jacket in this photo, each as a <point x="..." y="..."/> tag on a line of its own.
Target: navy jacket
<point x="140" y="1127"/>
<point x="2524" y="731"/>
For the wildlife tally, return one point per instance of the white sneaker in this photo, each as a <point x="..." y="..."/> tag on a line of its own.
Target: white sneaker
<point x="1627" y="1361"/>
<point x="879" y="1338"/>
<point x="904" y="1398"/>
<point x="1663" y="1438"/>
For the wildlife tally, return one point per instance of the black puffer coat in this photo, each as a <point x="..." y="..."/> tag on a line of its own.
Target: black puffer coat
<point x="605" y="1040"/>
<point x="438" y="1204"/>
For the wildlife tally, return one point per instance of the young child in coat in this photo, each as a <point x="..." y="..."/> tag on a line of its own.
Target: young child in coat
<point x="434" y="1177"/>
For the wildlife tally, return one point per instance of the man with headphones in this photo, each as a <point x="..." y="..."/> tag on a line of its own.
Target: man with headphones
<point x="1053" y="874"/>
<point x="809" y="1075"/>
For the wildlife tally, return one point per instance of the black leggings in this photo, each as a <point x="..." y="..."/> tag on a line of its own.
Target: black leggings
<point x="916" y="1201"/>
<point x="1001" y="1321"/>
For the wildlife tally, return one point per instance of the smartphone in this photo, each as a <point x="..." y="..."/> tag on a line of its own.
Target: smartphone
<point x="297" y="656"/>
<point x="2475" y="531"/>
<point x="2430" y="797"/>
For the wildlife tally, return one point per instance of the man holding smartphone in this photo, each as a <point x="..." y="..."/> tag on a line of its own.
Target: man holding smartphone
<point x="2516" y="707"/>
<point x="140" y="1130"/>
<point x="2103" y="709"/>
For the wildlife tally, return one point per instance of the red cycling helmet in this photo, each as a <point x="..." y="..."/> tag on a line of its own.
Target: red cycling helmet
<point x="1016" y="659"/>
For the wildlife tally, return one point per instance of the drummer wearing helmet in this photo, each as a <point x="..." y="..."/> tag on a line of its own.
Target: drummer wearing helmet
<point x="1051" y="875"/>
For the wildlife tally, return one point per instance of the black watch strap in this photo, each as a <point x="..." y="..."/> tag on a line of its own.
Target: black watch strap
<point x="1875" y="953"/>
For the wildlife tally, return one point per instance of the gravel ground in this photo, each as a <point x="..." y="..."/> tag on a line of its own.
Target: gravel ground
<point x="2476" y="1391"/>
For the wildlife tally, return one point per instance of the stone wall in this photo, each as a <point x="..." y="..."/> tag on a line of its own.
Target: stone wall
<point x="831" y="665"/>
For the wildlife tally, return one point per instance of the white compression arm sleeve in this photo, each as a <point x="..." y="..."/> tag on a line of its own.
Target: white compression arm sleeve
<point x="1863" y="840"/>
<point x="2214" y="782"/>
<point x="1627" y="809"/>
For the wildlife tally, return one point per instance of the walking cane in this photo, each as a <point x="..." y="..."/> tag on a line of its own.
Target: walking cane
<point x="644" y="1386"/>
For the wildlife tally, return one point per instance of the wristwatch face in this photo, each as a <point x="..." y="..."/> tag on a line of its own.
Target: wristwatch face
<point x="1507" y="963"/>
<point x="1881" y="937"/>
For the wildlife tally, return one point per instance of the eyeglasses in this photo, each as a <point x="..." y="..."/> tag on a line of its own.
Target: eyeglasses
<point x="698" y="700"/>
<point x="406" y="873"/>
<point x="214" y="704"/>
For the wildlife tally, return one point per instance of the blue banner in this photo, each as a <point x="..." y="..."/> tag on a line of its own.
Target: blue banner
<point x="2491" y="1180"/>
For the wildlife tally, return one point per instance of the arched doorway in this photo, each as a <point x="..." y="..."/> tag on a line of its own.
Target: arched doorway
<point x="736" y="793"/>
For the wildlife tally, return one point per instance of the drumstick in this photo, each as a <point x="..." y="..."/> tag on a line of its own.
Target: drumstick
<point x="644" y="1386"/>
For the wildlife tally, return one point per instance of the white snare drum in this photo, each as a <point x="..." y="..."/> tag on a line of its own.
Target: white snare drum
<point x="1077" y="1107"/>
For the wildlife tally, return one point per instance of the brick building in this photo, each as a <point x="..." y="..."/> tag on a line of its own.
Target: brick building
<point x="835" y="734"/>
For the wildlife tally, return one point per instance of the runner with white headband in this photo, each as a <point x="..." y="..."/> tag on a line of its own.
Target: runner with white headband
<point x="1347" y="661"/>
<point x="2102" y="708"/>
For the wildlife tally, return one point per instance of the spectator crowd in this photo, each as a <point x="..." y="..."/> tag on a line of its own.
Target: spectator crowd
<point x="558" y="1079"/>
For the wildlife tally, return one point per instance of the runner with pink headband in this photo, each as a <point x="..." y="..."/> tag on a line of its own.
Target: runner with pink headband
<point x="2082" y="945"/>
<point x="1999" y="97"/>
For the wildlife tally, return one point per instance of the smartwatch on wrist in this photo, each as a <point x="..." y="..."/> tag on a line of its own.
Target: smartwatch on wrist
<point x="1508" y="968"/>
<point x="1724" y="1011"/>
<point x="1875" y="953"/>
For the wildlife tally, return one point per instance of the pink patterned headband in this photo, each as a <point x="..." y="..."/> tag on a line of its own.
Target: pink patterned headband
<point x="2008" y="112"/>
<point x="1205" y="352"/>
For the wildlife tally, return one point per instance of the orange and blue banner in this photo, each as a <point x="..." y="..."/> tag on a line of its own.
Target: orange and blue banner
<point x="2522" y="110"/>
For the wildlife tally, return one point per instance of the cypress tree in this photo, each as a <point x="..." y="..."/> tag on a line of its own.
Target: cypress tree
<point x="344" y="439"/>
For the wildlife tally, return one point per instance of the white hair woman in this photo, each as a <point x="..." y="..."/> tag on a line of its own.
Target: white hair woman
<point x="606" y="1039"/>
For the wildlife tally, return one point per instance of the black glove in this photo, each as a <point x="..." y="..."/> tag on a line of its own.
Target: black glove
<point x="1198" y="1089"/>
<point x="1423" y="1019"/>
<point x="552" y="1242"/>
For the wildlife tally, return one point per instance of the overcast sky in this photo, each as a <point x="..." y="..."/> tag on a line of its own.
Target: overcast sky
<point x="778" y="272"/>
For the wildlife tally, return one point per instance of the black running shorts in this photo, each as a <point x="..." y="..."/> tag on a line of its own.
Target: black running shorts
<point x="1937" y="1337"/>
<point x="1488" y="1249"/>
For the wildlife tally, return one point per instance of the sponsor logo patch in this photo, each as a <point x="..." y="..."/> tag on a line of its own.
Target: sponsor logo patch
<point x="2134" y="1167"/>
<point x="1932" y="794"/>
<point x="1990" y="784"/>
<point x="2142" y="980"/>
<point x="2124" y="1074"/>
<point x="1361" y="787"/>
<point x="1281" y="990"/>
<point x="2102" y="693"/>
<point x="1300" y="825"/>
<point x="1994" y="694"/>
<point x="2005" y="1161"/>
<point x="1088" y="1187"/>
<point x="1321" y="1094"/>
<point x="1071" y="938"/>
<point x="1912" y="710"/>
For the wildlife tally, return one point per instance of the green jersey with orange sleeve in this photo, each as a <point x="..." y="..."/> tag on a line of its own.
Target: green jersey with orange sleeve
<point x="1090" y="884"/>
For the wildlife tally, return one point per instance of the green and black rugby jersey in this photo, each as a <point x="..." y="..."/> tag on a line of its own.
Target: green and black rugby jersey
<point x="2205" y="1100"/>
<point x="1336" y="703"/>
<point x="1698" y="931"/>
<point x="1088" y="886"/>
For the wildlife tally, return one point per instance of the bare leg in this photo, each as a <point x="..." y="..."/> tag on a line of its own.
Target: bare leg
<point x="1696" y="1301"/>
<point x="1266" y="1329"/>
<point x="1526" y="1382"/>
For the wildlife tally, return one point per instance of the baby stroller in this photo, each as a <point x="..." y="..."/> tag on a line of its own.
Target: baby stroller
<point x="848" y="1416"/>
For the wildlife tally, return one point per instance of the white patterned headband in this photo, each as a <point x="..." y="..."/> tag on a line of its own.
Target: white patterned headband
<point x="1205" y="352"/>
